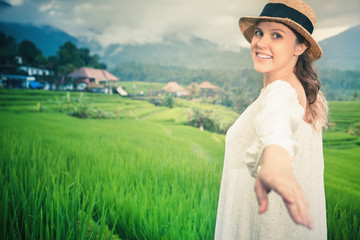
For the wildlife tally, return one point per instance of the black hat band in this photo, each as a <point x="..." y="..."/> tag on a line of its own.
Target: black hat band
<point x="280" y="10"/>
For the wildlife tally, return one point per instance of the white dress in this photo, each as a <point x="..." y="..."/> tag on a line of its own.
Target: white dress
<point x="276" y="117"/>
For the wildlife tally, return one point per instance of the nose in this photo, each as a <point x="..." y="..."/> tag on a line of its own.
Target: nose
<point x="259" y="42"/>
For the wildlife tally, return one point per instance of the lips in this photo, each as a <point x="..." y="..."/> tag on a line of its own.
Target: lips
<point x="263" y="56"/>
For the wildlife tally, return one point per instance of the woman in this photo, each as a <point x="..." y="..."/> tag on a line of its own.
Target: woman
<point x="275" y="146"/>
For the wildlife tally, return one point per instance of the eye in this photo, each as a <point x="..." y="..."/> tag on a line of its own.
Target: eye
<point x="277" y="36"/>
<point x="258" y="33"/>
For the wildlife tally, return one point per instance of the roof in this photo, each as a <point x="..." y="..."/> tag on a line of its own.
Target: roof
<point x="207" y="85"/>
<point x="100" y="74"/>
<point x="173" y="87"/>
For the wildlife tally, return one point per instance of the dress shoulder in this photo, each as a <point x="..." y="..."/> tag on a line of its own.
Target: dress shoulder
<point x="279" y="116"/>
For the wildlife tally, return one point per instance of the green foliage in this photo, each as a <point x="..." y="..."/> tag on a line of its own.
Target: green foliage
<point x="8" y="49"/>
<point x="238" y="87"/>
<point x="79" y="107"/>
<point x="343" y="115"/>
<point x="341" y="153"/>
<point x="336" y="84"/>
<point x="68" y="58"/>
<point x="355" y="129"/>
<point x="134" y="177"/>
<point x="142" y="88"/>
<point x="38" y="107"/>
<point x="206" y="119"/>
<point x="30" y="54"/>
<point x="202" y="119"/>
<point x="144" y="175"/>
<point x="168" y="101"/>
<point x="340" y="85"/>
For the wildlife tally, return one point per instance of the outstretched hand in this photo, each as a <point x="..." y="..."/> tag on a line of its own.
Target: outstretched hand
<point x="276" y="174"/>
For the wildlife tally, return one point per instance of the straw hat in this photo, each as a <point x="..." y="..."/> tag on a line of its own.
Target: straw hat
<point x="293" y="13"/>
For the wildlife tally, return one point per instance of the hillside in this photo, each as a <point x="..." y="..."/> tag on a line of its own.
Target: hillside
<point x="138" y="176"/>
<point x="46" y="38"/>
<point x="342" y="51"/>
<point x="194" y="53"/>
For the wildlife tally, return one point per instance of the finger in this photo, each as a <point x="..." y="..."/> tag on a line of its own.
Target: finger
<point x="305" y="210"/>
<point x="286" y="193"/>
<point x="291" y="201"/>
<point x="294" y="212"/>
<point x="298" y="207"/>
<point x="261" y="195"/>
<point x="303" y="207"/>
<point x="310" y="222"/>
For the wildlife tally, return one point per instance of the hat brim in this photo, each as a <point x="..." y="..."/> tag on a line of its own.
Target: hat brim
<point x="247" y="27"/>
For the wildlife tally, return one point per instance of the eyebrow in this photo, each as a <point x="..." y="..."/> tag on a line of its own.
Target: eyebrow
<point x="273" y="30"/>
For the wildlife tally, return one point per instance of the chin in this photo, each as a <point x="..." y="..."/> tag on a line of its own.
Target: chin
<point x="259" y="66"/>
<point x="260" y="69"/>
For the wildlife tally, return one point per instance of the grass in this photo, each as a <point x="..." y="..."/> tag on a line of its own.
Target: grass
<point x="142" y="87"/>
<point x="21" y="101"/>
<point x="342" y="168"/>
<point x="143" y="175"/>
<point x="108" y="171"/>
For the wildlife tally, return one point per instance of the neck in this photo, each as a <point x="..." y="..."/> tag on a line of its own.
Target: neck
<point x="285" y="75"/>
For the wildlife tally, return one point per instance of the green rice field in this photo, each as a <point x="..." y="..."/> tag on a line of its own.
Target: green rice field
<point x="137" y="171"/>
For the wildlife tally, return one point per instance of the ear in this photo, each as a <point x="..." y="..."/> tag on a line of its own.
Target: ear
<point x="300" y="48"/>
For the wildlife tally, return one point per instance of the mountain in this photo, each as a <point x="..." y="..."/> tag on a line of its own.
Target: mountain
<point x="46" y="38"/>
<point x="342" y="51"/>
<point x="193" y="53"/>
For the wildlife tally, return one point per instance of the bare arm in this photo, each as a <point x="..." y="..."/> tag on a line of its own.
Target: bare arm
<point x="276" y="174"/>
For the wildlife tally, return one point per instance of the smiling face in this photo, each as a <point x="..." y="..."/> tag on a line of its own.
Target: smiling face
<point x="274" y="48"/>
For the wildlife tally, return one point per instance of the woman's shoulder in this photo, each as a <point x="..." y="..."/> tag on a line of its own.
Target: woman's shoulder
<point x="286" y="90"/>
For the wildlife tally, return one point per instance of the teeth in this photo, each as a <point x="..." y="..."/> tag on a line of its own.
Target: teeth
<point x="264" y="56"/>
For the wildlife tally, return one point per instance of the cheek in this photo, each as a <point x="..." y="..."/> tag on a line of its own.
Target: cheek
<point x="252" y="47"/>
<point x="283" y="52"/>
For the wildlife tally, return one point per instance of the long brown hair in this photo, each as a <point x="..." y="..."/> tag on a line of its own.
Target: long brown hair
<point x="317" y="108"/>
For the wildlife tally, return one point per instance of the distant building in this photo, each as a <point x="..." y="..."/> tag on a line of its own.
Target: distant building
<point x="96" y="80"/>
<point x="92" y="75"/>
<point x="175" y="89"/>
<point x="208" y="86"/>
<point x="18" y="81"/>
<point x="207" y="89"/>
<point x="31" y="77"/>
<point x="43" y="76"/>
<point x="33" y="71"/>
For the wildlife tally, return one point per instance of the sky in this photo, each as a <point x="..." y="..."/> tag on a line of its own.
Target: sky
<point x="150" y="21"/>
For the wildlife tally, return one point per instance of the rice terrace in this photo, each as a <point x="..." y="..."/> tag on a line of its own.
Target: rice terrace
<point x="135" y="170"/>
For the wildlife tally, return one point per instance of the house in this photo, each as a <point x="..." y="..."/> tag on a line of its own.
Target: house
<point x="175" y="89"/>
<point x="208" y="86"/>
<point x="33" y="71"/>
<point x="18" y="81"/>
<point x="207" y="89"/>
<point x="93" y="76"/>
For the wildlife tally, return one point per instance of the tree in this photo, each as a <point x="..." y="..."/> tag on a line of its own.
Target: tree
<point x="3" y="40"/>
<point x="8" y="49"/>
<point x="194" y="89"/>
<point x="30" y="54"/>
<point x="70" y="58"/>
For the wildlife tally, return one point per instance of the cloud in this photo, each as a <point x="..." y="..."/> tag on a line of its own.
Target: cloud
<point x="143" y="21"/>
<point x="15" y="2"/>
